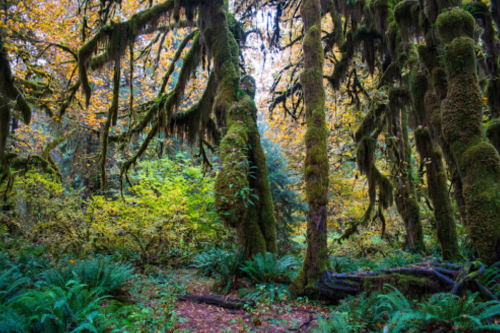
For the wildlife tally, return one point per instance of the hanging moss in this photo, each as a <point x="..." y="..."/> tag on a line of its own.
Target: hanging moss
<point x="381" y="11"/>
<point x="365" y="154"/>
<point x="116" y="37"/>
<point x="8" y="88"/>
<point x="366" y="137"/>
<point x="407" y="16"/>
<point x="478" y="162"/>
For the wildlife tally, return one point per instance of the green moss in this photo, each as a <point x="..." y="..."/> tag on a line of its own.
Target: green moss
<point x="455" y="23"/>
<point x="478" y="162"/>
<point x="316" y="163"/>
<point x="406" y="15"/>
<point x="409" y="285"/>
<point x="365" y="154"/>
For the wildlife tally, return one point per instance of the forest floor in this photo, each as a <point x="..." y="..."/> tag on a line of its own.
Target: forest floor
<point x="285" y="316"/>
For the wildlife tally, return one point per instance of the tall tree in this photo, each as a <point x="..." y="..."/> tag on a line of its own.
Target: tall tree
<point x="316" y="164"/>
<point x="478" y="161"/>
<point x="226" y="108"/>
<point x="9" y="95"/>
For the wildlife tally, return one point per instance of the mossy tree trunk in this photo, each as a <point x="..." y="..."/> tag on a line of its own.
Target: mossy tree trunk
<point x="406" y="194"/>
<point x="243" y="197"/>
<point x="316" y="163"/>
<point x="478" y="161"/>
<point x="9" y="95"/>
<point x="432" y="157"/>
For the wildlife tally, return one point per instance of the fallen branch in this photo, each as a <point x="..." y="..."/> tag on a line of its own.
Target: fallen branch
<point x="223" y="302"/>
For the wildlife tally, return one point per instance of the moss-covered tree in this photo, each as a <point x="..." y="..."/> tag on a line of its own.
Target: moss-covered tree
<point x="226" y="108"/>
<point x="316" y="164"/>
<point x="478" y="161"/>
<point x="9" y="96"/>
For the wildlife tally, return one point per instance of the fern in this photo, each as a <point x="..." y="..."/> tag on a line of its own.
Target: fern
<point x="98" y="273"/>
<point x="11" y="282"/>
<point x="270" y="268"/>
<point x="171" y="281"/>
<point x="491" y="280"/>
<point x="400" y="259"/>
<point x="456" y="313"/>
<point x="338" y="322"/>
<point x="11" y="321"/>
<point x="54" y="309"/>
<point x="221" y="264"/>
<point x="267" y="292"/>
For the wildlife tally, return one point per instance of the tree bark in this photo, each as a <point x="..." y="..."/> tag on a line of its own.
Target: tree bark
<point x="243" y="195"/>
<point x="316" y="164"/>
<point x="406" y="195"/>
<point x="478" y="161"/>
<point x="430" y="154"/>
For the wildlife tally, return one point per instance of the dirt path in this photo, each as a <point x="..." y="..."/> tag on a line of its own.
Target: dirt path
<point x="273" y="318"/>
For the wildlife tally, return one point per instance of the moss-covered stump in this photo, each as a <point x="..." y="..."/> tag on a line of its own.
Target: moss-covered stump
<point x="478" y="162"/>
<point x="316" y="164"/>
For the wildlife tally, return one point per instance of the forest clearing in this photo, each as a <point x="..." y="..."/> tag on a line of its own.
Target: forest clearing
<point x="249" y="166"/>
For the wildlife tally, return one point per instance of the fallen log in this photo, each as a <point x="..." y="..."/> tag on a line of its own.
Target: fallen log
<point x="414" y="280"/>
<point x="223" y="302"/>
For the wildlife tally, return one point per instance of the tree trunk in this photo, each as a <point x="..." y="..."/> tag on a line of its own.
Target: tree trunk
<point x="478" y="161"/>
<point x="406" y="195"/>
<point x="430" y="154"/>
<point x="243" y="195"/>
<point x="316" y="164"/>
